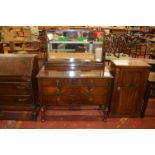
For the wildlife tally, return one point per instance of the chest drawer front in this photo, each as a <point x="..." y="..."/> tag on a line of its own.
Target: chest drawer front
<point x="84" y="91"/>
<point x="75" y="90"/>
<point x="53" y="82"/>
<point x="15" y="88"/>
<point x="49" y="90"/>
<point x="64" y="90"/>
<point x="97" y="82"/>
<point x="99" y="91"/>
<point x="74" y="100"/>
<point x="16" y="100"/>
<point x="75" y="82"/>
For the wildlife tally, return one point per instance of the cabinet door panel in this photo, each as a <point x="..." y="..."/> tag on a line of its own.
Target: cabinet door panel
<point x="128" y="93"/>
<point x="131" y="78"/>
<point x="128" y="97"/>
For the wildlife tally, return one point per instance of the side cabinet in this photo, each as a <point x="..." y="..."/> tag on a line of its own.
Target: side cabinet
<point x="129" y="87"/>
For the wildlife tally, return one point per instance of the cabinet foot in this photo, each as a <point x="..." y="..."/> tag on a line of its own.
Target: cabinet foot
<point x="105" y="110"/>
<point x="43" y="114"/>
<point x="34" y="116"/>
<point x="106" y="114"/>
<point x="35" y="113"/>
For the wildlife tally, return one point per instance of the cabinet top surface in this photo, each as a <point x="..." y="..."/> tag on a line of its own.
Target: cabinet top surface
<point x="150" y="61"/>
<point x="74" y="74"/>
<point x="130" y="63"/>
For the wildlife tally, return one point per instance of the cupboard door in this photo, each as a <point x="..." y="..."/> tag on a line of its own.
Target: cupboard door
<point x="131" y="77"/>
<point x="128" y="92"/>
<point x="128" y="100"/>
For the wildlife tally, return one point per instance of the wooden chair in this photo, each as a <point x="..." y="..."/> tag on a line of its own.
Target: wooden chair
<point x="140" y="50"/>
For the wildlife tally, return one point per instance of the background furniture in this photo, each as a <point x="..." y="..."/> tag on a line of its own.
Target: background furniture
<point x="18" y="86"/>
<point x="140" y="50"/>
<point x="129" y="87"/>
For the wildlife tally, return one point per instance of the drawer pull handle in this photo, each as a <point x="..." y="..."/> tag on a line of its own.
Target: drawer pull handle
<point x="22" y="100"/>
<point x="58" y="91"/>
<point x="20" y="87"/>
<point x="90" y="90"/>
<point x="58" y="99"/>
<point x="58" y="83"/>
<point x="90" y="99"/>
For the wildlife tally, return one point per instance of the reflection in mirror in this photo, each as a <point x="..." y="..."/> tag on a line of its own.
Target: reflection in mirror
<point x="75" y="44"/>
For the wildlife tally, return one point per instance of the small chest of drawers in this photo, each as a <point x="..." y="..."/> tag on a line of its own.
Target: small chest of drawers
<point x="57" y="88"/>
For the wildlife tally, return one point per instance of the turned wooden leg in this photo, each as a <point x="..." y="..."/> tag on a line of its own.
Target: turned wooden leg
<point x="43" y="114"/>
<point x="35" y="113"/>
<point x="106" y="113"/>
<point x="105" y="110"/>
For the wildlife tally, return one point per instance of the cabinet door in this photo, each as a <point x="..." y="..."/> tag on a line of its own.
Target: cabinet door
<point x="128" y="100"/>
<point x="128" y="92"/>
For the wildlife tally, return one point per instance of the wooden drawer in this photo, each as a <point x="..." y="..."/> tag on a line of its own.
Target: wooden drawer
<point x="74" y="100"/>
<point x="97" y="82"/>
<point x="75" y="82"/>
<point x="15" y="100"/>
<point x="99" y="91"/>
<point x="64" y="90"/>
<point x="74" y="90"/>
<point x="15" y="88"/>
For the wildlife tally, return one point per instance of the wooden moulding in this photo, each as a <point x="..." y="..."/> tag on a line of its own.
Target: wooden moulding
<point x="79" y="65"/>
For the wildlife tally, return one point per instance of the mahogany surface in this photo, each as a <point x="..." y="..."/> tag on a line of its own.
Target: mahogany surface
<point x="74" y="88"/>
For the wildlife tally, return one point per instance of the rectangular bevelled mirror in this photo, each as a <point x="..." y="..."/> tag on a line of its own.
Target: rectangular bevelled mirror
<point x="75" y="44"/>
